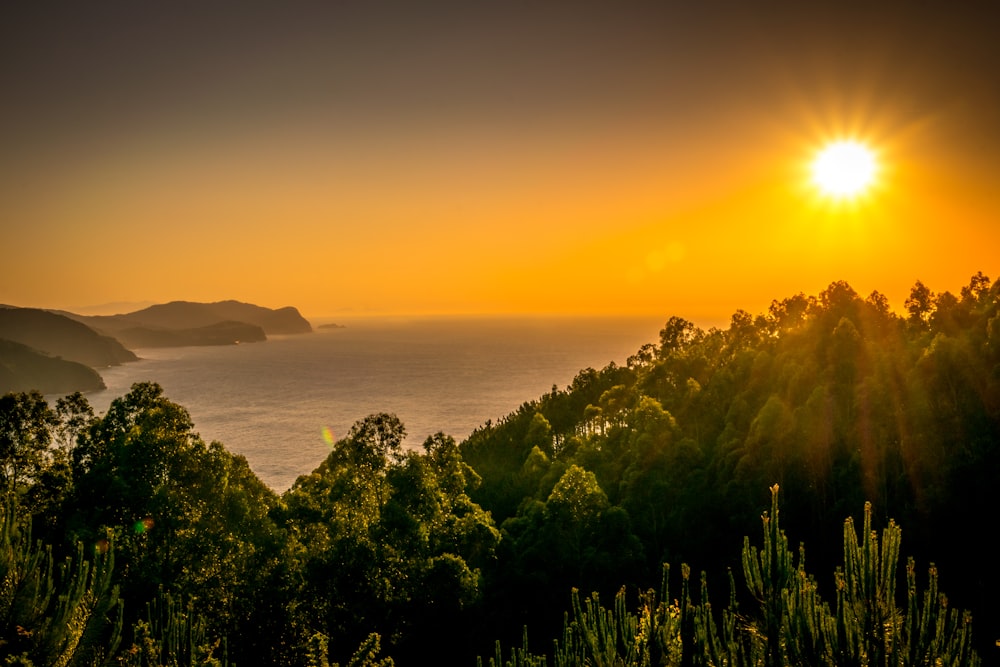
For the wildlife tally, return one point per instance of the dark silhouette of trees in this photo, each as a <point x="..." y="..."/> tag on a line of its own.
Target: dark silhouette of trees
<point x="128" y="538"/>
<point x="833" y="396"/>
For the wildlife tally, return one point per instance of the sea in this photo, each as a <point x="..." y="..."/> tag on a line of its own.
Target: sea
<point x="283" y="403"/>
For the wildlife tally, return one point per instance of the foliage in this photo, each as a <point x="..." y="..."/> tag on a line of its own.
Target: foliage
<point x="365" y="656"/>
<point x="184" y="516"/>
<point x="792" y="625"/>
<point x="54" y="613"/>
<point x="589" y="488"/>
<point x="25" y="438"/>
<point x="386" y="539"/>
<point x="173" y="634"/>
<point x="833" y="396"/>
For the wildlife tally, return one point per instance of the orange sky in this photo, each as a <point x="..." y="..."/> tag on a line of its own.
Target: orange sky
<point x="479" y="158"/>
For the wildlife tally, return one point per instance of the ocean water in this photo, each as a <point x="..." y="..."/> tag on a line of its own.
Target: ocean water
<point x="277" y="402"/>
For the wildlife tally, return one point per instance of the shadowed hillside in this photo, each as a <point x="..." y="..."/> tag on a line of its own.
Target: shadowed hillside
<point x="220" y="333"/>
<point x="24" y="369"/>
<point x="61" y="336"/>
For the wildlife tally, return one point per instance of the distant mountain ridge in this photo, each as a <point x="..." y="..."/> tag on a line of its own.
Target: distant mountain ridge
<point x="189" y="315"/>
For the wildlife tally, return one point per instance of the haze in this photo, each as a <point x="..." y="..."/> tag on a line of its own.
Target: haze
<point x="428" y="158"/>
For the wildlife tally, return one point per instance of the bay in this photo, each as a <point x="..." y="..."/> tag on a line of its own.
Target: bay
<point x="278" y="402"/>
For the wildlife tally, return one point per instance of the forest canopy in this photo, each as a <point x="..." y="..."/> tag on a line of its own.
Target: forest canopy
<point x="130" y="540"/>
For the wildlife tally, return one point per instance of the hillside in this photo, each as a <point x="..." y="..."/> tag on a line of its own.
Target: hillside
<point x="24" y="369"/>
<point x="834" y="397"/>
<point x="848" y="408"/>
<point x="60" y="336"/>
<point x="220" y="333"/>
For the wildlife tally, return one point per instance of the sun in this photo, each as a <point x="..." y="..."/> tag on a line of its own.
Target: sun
<point x="844" y="169"/>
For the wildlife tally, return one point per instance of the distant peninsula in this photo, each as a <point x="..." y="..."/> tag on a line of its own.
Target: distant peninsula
<point x="23" y="369"/>
<point x="57" y="351"/>
<point x="182" y="323"/>
<point x="57" y="335"/>
<point x="52" y="353"/>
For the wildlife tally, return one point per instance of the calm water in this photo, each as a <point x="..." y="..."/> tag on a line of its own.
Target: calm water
<point x="271" y="401"/>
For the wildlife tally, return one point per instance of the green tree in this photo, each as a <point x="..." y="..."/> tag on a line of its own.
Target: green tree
<point x="540" y="434"/>
<point x="75" y="416"/>
<point x="26" y="426"/>
<point x="396" y="543"/>
<point x="677" y="334"/>
<point x="187" y="517"/>
<point x="919" y="305"/>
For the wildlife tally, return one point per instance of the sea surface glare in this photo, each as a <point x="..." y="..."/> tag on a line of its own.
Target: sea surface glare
<point x="283" y="403"/>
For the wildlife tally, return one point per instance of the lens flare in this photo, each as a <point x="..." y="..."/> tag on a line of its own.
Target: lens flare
<point x="143" y="526"/>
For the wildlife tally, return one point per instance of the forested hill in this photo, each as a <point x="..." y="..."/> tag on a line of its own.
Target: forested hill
<point x="834" y="397"/>
<point x="23" y="369"/>
<point x="52" y="353"/>
<point x="58" y="335"/>
<point x="174" y="552"/>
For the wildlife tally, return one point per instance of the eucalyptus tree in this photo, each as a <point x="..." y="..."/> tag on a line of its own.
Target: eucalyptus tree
<point x="387" y="540"/>
<point x="187" y="517"/>
<point x="26" y="427"/>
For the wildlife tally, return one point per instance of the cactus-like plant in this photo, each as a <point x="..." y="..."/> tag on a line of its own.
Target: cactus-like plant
<point x="62" y="615"/>
<point x="793" y="624"/>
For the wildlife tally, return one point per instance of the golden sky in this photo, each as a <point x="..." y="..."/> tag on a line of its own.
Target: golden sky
<point x="606" y="158"/>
